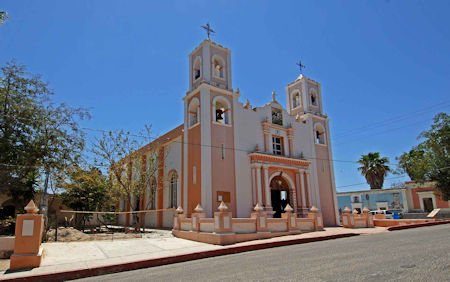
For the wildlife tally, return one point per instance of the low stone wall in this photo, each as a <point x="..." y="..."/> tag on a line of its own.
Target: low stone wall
<point x="6" y="246"/>
<point x="399" y="222"/>
<point x="223" y="229"/>
<point x="355" y="220"/>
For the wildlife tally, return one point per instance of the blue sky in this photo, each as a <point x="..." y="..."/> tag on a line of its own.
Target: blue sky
<point x="383" y="65"/>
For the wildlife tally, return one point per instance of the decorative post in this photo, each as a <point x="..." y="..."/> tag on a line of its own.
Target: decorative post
<point x="317" y="217"/>
<point x="27" y="244"/>
<point x="177" y="218"/>
<point x="368" y="217"/>
<point x="380" y="214"/>
<point x="261" y="218"/>
<point x="222" y="219"/>
<point x="291" y="219"/>
<point x="347" y="218"/>
<point x="198" y="213"/>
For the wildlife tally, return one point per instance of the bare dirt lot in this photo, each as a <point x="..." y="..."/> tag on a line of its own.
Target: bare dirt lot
<point x="71" y="234"/>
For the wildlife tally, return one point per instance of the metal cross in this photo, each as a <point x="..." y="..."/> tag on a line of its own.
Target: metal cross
<point x="301" y="66"/>
<point x="208" y="29"/>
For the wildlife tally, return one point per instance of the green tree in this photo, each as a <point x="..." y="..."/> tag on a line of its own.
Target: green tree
<point x="37" y="138"/>
<point x="415" y="163"/>
<point x="374" y="169"/>
<point x="3" y="17"/>
<point x="85" y="189"/>
<point x="430" y="160"/>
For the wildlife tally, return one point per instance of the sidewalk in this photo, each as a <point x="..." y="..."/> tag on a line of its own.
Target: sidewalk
<point x="82" y="259"/>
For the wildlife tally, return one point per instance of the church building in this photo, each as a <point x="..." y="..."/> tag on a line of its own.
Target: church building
<point x="234" y="152"/>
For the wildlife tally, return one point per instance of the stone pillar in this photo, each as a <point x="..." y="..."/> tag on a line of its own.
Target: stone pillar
<point x="267" y="188"/>
<point x="302" y="189"/>
<point x="317" y="217"/>
<point x="299" y="192"/>
<point x="253" y="184"/>
<point x="177" y="218"/>
<point x="310" y="201"/>
<point x="261" y="219"/>
<point x="258" y="184"/>
<point x="266" y="139"/>
<point x="293" y="196"/>
<point x="291" y="218"/>
<point x="290" y="143"/>
<point x="198" y="213"/>
<point x="222" y="219"/>
<point x="347" y="218"/>
<point x="27" y="243"/>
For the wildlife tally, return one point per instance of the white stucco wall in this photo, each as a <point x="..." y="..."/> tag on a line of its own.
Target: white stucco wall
<point x="172" y="162"/>
<point x="248" y="133"/>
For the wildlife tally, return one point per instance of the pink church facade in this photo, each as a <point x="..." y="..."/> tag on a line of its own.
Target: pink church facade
<point x="242" y="155"/>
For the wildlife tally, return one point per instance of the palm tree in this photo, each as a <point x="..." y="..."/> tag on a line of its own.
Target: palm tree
<point x="374" y="169"/>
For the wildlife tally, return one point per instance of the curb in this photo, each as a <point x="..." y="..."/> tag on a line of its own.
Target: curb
<point x="409" y="226"/>
<point x="88" y="272"/>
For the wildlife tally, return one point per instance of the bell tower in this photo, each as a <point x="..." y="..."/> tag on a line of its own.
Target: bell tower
<point x="304" y="96"/>
<point x="210" y="63"/>
<point x="304" y="101"/>
<point x="209" y="121"/>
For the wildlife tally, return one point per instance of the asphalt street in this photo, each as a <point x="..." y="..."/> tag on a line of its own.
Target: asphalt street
<point x="421" y="254"/>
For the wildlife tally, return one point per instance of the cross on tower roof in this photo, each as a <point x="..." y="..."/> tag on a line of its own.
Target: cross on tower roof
<point x="301" y="66"/>
<point x="208" y="29"/>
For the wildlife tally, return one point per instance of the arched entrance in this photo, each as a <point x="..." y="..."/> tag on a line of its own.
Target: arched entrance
<point x="279" y="192"/>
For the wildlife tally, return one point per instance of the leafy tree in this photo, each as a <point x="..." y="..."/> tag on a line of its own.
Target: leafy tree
<point x="414" y="163"/>
<point x="37" y="138"/>
<point x="85" y="189"/>
<point x="3" y="17"/>
<point x="131" y="165"/>
<point x="374" y="169"/>
<point x="430" y="160"/>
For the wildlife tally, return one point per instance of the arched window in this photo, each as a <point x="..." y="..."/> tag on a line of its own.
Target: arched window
<point x="313" y="98"/>
<point x="221" y="110"/>
<point x="152" y="193"/>
<point x="197" y="68"/>
<point x="218" y="67"/>
<point x="173" y="190"/>
<point x="296" y="100"/>
<point x="194" y="112"/>
<point x="319" y="134"/>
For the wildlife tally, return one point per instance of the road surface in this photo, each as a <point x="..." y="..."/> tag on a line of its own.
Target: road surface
<point x="421" y="254"/>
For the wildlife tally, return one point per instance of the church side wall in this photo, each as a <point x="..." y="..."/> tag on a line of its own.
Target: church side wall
<point x="172" y="162"/>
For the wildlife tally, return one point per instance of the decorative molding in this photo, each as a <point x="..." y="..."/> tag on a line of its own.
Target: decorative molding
<point x="260" y="157"/>
<point x="266" y="124"/>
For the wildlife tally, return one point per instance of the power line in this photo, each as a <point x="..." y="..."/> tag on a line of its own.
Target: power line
<point x="378" y="133"/>
<point x="220" y="147"/>
<point x="389" y="178"/>
<point x="394" y="119"/>
<point x="356" y="184"/>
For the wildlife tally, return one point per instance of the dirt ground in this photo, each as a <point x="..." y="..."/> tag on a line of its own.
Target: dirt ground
<point x="71" y="234"/>
<point x="4" y="264"/>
